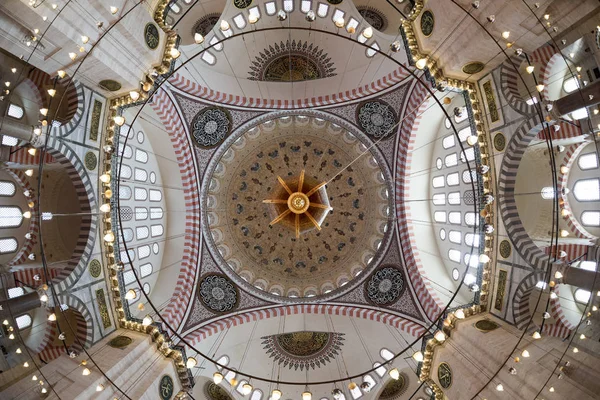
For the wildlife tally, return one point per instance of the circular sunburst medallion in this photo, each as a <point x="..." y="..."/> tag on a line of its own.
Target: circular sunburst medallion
<point x="292" y="61"/>
<point x="499" y="141"/>
<point x="505" y="249"/>
<point x="218" y="293"/>
<point x="205" y="24"/>
<point x="216" y="392"/>
<point x="209" y="127"/>
<point x="385" y="286"/>
<point x="473" y="68"/>
<point x="427" y="23"/>
<point x="95" y="268"/>
<point x="90" y="160"/>
<point x="377" y="119"/>
<point x="373" y="17"/>
<point x="394" y="388"/>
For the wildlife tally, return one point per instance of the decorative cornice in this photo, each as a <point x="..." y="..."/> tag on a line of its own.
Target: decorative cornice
<point x="429" y="63"/>
<point x="110" y="146"/>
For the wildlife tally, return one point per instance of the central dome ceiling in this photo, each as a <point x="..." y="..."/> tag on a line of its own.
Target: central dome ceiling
<point x="256" y="170"/>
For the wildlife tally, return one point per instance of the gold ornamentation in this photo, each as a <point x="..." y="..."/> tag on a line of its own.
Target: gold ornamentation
<point x="103" y="308"/>
<point x="491" y="101"/>
<point x="298" y="204"/>
<point x="500" y="289"/>
<point x="95" y="122"/>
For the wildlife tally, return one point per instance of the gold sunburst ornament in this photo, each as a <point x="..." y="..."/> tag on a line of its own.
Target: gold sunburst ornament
<point x="293" y="209"/>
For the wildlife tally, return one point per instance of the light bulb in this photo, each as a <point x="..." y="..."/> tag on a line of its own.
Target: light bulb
<point x="131" y="294"/>
<point x="113" y="10"/>
<point x="246" y="389"/>
<point x="100" y="387"/>
<point x="564" y="233"/>
<point x="34" y="378"/>
<point x="553" y="296"/>
<point x="52" y="317"/>
<point x="11" y="336"/>
<point x="119" y="120"/>
<point x="224" y="25"/>
<point x="578" y="69"/>
<point x="174" y="53"/>
<point x="575" y="350"/>
<point x="26" y="364"/>
<point x="73" y="56"/>
<point x="109" y="237"/>
<point x="148" y="321"/>
<point x="472" y="140"/>
<point x="61" y="73"/>
<point x="44" y="298"/>
<point x="422" y="63"/>
<point x="52" y="92"/>
<point x="307" y="395"/>
<point x="484" y="258"/>
<point x="540" y="88"/>
<point x="440" y="336"/>
<point x="546" y="17"/>
<point x="558" y="275"/>
<point x="85" y="372"/>
<point x="525" y="353"/>
<point x="551" y="389"/>
<point x="500" y="388"/>
<point x="368" y="33"/>
<point x="105" y="207"/>
<point x="32" y="151"/>
<point x="582" y="336"/>
<point x="394" y="374"/>
<point x="37" y="131"/>
<point x="27" y="214"/>
<point x="13" y="70"/>
<point x="191" y="362"/>
<point x="217" y="378"/>
<point x="564" y="169"/>
<point x="18" y="351"/>
<point x="253" y="18"/>
<point x="44" y="390"/>
<point x="536" y="335"/>
<point x="340" y="22"/>
<point x="105" y="178"/>
<point x="418" y="356"/>
<point x="505" y="34"/>
<point x="198" y="38"/>
<point x="62" y="336"/>
<point x="276" y="394"/>
<point x="460" y="314"/>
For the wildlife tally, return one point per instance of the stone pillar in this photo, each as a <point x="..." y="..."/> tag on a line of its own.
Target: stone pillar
<point x="16" y="129"/>
<point x="19" y="305"/>
<point x="577" y="100"/>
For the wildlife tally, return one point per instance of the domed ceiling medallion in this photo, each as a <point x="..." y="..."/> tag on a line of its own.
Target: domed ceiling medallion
<point x="272" y="224"/>
<point x="373" y="17"/>
<point x="206" y="24"/>
<point x="394" y="388"/>
<point x="216" y="392"/>
<point x="218" y="293"/>
<point x="385" y="286"/>
<point x="292" y="207"/>
<point x="377" y="119"/>
<point x="209" y="127"/>
<point x="303" y="349"/>
<point x="291" y="62"/>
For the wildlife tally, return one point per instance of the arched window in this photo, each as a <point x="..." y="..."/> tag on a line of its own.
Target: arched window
<point x="155" y="195"/>
<point x="438" y="182"/>
<point x="157" y="230"/>
<point x="141" y="213"/>
<point x="209" y="58"/>
<point x="239" y="21"/>
<point x="7" y="188"/>
<point x="452" y="179"/>
<point x="463" y="115"/>
<point x="472" y="240"/>
<point x="9" y="140"/>
<point x="369" y="379"/>
<point x="240" y="386"/>
<point x="142" y="232"/>
<point x="127" y="234"/>
<point x="8" y="245"/>
<point x="229" y="376"/>
<point x="322" y="10"/>
<point x="257" y="395"/>
<point x="356" y="393"/>
<point x="288" y="5"/>
<point x="140" y="175"/>
<point x="439" y="199"/>
<point x="23" y="321"/>
<point x="582" y="296"/>
<point x="588" y="265"/>
<point x="15" y="111"/>
<point x="471" y="219"/>
<point x="223" y="360"/>
<point x="451" y="160"/>
<point x="587" y="190"/>
<point x="455" y="237"/>
<point x="141" y="156"/>
<point x="454" y="198"/>
<point x="580" y="114"/>
<point x="588" y="161"/>
<point x="15" y="292"/>
<point x="448" y="141"/>
<point x="571" y="85"/>
<point x="386" y="354"/>
<point x="125" y="191"/>
<point x="590" y="218"/>
<point x="454" y="255"/>
<point x="156" y="213"/>
<point x="143" y="251"/>
<point x="381" y="370"/>
<point x="128" y="277"/>
<point x="10" y="217"/>
<point x="140" y="194"/>
<point x="371" y="51"/>
<point x="454" y="217"/>
<point x="145" y="270"/>
<point x="439" y="216"/>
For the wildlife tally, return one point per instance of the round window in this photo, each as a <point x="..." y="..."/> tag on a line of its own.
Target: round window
<point x="438" y="163"/>
<point x="443" y="234"/>
<point x="455" y="274"/>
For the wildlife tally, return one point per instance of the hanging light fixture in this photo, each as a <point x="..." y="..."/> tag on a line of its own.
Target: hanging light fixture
<point x="109" y="237"/>
<point x="175" y="53"/>
<point x="147" y="321"/>
<point x="460" y="314"/>
<point x="246" y="388"/>
<point x="367" y="32"/>
<point x="306" y="395"/>
<point x="525" y="353"/>
<point x="52" y="317"/>
<point x="558" y="275"/>
<point x="113" y="10"/>
<point x="530" y="69"/>
<point x="105" y="207"/>
<point x="276" y="394"/>
<point x="18" y="351"/>
<point x="394" y="374"/>
<point x="86" y="372"/>
<point x="52" y="92"/>
<point x="105" y="178"/>
<point x="119" y="120"/>
<point x="218" y="378"/>
<point x="500" y="388"/>
<point x="191" y="362"/>
<point x="540" y="88"/>
<point x="253" y="18"/>
<point x="536" y="335"/>
<point x="421" y="63"/>
<point x="26" y="364"/>
<point x="440" y="336"/>
<point x="418" y="356"/>
<point x="224" y="25"/>
<point x="61" y="73"/>
<point x="100" y="387"/>
<point x="198" y="38"/>
<point x="131" y="294"/>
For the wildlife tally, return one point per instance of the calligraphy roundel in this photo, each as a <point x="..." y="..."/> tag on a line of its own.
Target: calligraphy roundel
<point x="166" y="387"/>
<point x="241" y="4"/>
<point x="427" y="23"/>
<point x="210" y="126"/>
<point x="151" y="36"/>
